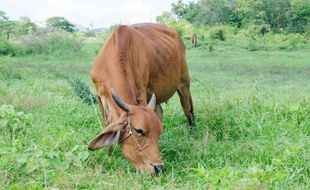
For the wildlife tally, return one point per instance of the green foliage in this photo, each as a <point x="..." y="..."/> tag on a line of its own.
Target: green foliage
<point x="7" y="28"/>
<point x="60" y="23"/>
<point x="299" y="16"/>
<point x="24" y="26"/>
<point x="212" y="12"/>
<point x="12" y="29"/>
<point x="270" y="15"/>
<point x="210" y="47"/>
<point x="52" y="43"/>
<point x="3" y="16"/>
<point x="82" y="91"/>
<point x="178" y="8"/>
<point x="165" y="17"/>
<point x="13" y="123"/>
<point x="5" y="47"/>
<point x="217" y="33"/>
<point x="183" y="27"/>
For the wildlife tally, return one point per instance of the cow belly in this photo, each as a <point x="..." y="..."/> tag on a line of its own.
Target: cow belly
<point x="165" y="81"/>
<point x="163" y="90"/>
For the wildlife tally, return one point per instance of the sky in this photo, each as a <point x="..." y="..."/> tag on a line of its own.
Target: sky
<point x="87" y="13"/>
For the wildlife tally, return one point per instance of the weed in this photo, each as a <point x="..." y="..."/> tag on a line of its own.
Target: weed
<point x="82" y="91"/>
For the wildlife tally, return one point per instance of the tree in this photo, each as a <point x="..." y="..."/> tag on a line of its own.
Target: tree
<point x="263" y="15"/>
<point x="3" y="16"/>
<point x="191" y="12"/>
<point x="299" y="16"/>
<point x="185" y="11"/>
<point x="178" y="8"/>
<point x="24" y="26"/>
<point x="60" y="23"/>
<point x="212" y="12"/>
<point x="207" y="12"/>
<point x="164" y="17"/>
<point x="267" y="14"/>
<point x="6" y="26"/>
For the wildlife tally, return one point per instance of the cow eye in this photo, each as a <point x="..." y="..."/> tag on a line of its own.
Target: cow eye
<point x="139" y="131"/>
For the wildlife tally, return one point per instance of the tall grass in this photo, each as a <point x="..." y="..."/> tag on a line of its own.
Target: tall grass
<point x="56" y="43"/>
<point x="44" y="42"/>
<point x="252" y="110"/>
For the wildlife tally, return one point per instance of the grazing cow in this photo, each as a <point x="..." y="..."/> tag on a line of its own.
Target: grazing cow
<point x="194" y="40"/>
<point x="136" y="63"/>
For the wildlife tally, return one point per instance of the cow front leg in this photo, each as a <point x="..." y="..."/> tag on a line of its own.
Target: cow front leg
<point x="187" y="103"/>
<point x="105" y="111"/>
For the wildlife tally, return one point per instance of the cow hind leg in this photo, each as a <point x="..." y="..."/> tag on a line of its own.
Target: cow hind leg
<point x="159" y="112"/>
<point x="187" y="103"/>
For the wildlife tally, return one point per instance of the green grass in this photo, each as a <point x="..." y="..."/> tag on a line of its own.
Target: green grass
<point x="253" y="125"/>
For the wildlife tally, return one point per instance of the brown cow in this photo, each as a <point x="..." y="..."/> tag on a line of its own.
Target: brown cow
<point x="138" y="61"/>
<point x="194" y="40"/>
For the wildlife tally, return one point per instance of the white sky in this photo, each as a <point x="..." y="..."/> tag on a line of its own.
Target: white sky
<point x="99" y="13"/>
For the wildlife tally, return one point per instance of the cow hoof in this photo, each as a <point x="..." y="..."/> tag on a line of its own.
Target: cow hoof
<point x="191" y="122"/>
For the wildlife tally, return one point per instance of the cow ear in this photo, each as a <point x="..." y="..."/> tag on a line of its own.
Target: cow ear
<point x="107" y="137"/>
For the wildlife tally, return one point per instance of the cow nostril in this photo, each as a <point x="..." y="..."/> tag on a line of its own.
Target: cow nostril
<point x="159" y="168"/>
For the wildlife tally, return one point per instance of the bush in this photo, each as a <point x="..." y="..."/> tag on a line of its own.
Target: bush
<point x="11" y="48"/>
<point x="295" y="39"/>
<point x="5" y="47"/>
<point x="210" y="47"/>
<point x="82" y="91"/>
<point x="217" y="33"/>
<point x="287" y="41"/>
<point x="52" y="43"/>
<point x="183" y="27"/>
<point x="291" y="38"/>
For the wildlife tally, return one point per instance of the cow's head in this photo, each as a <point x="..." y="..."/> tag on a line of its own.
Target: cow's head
<point x="137" y="131"/>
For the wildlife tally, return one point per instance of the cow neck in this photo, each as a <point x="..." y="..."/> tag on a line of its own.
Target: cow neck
<point x="126" y="86"/>
<point x="122" y="69"/>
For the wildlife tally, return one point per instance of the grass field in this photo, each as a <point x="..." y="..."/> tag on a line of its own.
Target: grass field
<point x="253" y="126"/>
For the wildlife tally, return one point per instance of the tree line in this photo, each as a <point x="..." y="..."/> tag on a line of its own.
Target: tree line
<point x="291" y="16"/>
<point x="57" y="36"/>
<point x="14" y="28"/>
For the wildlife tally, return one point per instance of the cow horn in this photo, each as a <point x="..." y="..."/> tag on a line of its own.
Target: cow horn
<point x="120" y="102"/>
<point x="152" y="102"/>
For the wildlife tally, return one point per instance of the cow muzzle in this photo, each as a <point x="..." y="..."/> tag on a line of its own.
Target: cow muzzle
<point x="159" y="168"/>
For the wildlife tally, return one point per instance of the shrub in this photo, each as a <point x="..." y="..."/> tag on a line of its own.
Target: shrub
<point x="5" y="47"/>
<point x="210" y="47"/>
<point x="52" y="43"/>
<point x="217" y="33"/>
<point x="255" y="30"/>
<point x="290" y="38"/>
<point x="82" y="91"/>
<point x="183" y="27"/>
<point x="294" y="39"/>
<point x="11" y="48"/>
